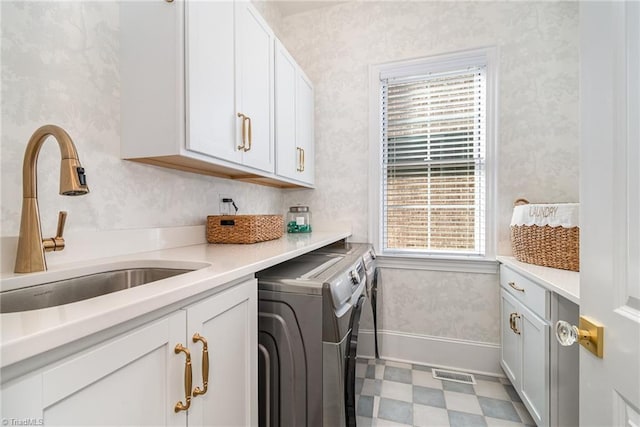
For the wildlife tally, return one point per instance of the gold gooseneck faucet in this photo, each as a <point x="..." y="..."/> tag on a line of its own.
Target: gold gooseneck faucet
<point x="31" y="247"/>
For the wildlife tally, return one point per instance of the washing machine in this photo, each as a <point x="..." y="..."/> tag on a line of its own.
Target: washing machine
<point x="308" y="316"/>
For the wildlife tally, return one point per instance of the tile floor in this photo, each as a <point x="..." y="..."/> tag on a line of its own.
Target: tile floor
<point x="401" y="394"/>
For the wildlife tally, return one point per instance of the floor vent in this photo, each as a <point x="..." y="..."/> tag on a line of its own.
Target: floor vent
<point x="459" y="377"/>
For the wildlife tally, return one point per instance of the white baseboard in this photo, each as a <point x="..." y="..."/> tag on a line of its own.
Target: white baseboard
<point x="447" y="353"/>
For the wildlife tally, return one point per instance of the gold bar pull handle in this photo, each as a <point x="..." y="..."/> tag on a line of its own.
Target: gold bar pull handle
<point x="516" y="287"/>
<point x="302" y="159"/>
<point x="244" y="132"/>
<point x="515" y="323"/>
<point x="299" y="151"/>
<point x="249" y="133"/>
<point x="205" y="365"/>
<point x="512" y="322"/>
<point x="188" y="379"/>
<point x="56" y="243"/>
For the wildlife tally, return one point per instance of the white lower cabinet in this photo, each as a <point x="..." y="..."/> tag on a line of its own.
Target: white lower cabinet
<point x="544" y="374"/>
<point x="137" y="378"/>
<point x="229" y="323"/>
<point x="525" y="356"/>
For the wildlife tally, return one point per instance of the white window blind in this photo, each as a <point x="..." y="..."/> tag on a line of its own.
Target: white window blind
<point x="433" y="159"/>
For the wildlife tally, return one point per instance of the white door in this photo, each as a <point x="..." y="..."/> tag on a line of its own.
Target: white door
<point x="610" y="210"/>
<point x="228" y="321"/>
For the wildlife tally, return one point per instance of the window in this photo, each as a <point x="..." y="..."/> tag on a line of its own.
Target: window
<point x="433" y="148"/>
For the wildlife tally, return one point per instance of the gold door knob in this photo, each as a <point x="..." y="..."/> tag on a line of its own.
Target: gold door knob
<point x="205" y="365"/>
<point x="188" y="379"/>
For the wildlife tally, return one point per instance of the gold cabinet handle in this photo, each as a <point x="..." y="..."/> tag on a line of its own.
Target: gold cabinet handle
<point x="205" y="365"/>
<point x="302" y="159"/>
<point x="514" y="323"/>
<point x="188" y="379"/>
<point x="249" y="134"/>
<point x="516" y="287"/>
<point x="244" y="132"/>
<point x="299" y="167"/>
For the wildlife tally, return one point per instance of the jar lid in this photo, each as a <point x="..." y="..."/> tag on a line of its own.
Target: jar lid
<point x="299" y="209"/>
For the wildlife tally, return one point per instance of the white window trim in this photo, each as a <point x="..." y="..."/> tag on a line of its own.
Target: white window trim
<point x="413" y="67"/>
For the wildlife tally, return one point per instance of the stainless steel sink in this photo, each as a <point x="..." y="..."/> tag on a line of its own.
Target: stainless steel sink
<point x="61" y="292"/>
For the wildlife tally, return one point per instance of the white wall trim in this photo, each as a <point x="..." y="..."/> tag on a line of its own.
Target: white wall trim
<point x="481" y="266"/>
<point x="448" y="353"/>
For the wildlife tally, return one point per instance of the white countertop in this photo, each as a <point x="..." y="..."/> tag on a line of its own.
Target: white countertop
<point x="563" y="282"/>
<point x="29" y="333"/>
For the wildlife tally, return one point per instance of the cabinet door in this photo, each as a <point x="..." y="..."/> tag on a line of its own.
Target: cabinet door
<point x="151" y="72"/>
<point x="134" y="379"/>
<point x="510" y="353"/>
<point x="304" y="125"/>
<point x="535" y="365"/>
<point x="210" y="79"/>
<point x="254" y="85"/>
<point x="293" y="119"/>
<point x="228" y="321"/>
<point x="288" y="157"/>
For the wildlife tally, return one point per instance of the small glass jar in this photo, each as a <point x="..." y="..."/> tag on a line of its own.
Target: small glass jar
<point x="299" y="219"/>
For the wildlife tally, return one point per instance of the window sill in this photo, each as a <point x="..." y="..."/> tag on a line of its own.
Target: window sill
<point x="481" y="266"/>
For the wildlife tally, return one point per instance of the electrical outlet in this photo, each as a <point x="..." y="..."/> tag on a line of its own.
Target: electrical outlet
<point x="225" y="207"/>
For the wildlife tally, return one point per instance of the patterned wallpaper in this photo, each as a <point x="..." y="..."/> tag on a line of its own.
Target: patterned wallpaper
<point x="538" y="147"/>
<point x="538" y="151"/>
<point x="60" y="66"/>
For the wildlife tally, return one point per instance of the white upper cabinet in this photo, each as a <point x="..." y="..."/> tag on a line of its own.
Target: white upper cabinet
<point x="210" y="79"/>
<point x="293" y="119"/>
<point x="254" y="55"/>
<point x="304" y="125"/>
<point x="198" y="89"/>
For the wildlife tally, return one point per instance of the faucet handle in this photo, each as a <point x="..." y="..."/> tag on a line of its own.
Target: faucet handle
<point x="56" y="243"/>
<point x="62" y="219"/>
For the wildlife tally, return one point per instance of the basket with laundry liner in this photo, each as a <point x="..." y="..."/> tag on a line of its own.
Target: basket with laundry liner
<point x="546" y="234"/>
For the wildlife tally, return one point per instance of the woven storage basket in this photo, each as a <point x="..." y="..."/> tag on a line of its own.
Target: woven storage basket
<point x="549" y="245"/>
<point x="244" y="228"/>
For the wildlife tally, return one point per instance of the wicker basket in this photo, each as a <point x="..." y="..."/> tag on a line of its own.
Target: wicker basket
<point x="244" y="228"/>
<point x="546" y="245"/>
